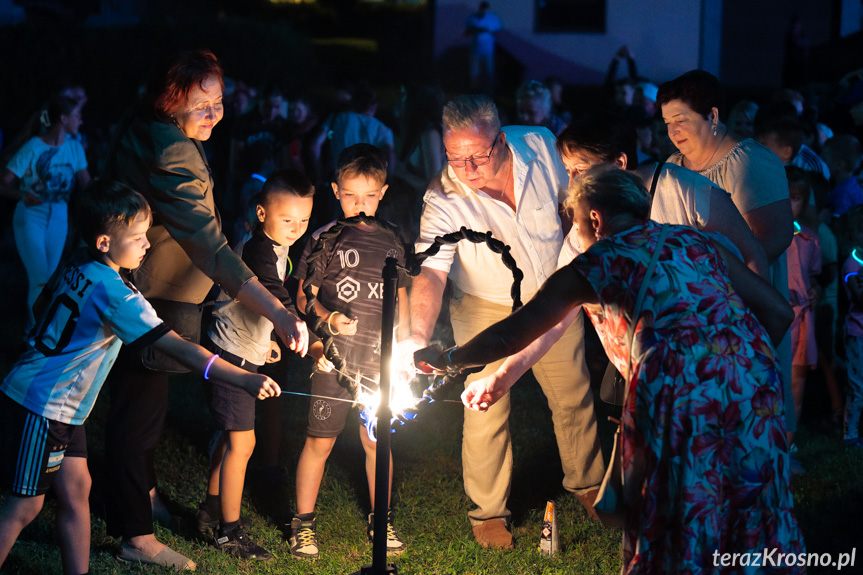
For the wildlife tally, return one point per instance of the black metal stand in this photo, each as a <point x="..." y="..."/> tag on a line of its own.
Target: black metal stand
<point x="379" y="564"/>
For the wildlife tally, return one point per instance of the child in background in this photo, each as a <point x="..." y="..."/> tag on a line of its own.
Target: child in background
<point x="244" y="338"/>
<point x="842" y="155"/>
<point x="804" y="264"/>
<point x="827" y="308"/>
<point x="87" y="311"/>
<point x="349" y="301"/>
<point x="854" y="327"/>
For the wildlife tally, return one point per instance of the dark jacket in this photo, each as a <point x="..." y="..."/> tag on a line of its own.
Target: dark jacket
<point x="188" y="249"/>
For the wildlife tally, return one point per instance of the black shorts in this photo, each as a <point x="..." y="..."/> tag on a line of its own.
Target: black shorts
<point x="32" y="448"/>
<point x="327" y="416"/>
<point x="232" y="408"/>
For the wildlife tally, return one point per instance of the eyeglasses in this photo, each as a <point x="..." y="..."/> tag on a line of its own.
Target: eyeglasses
<point x="477" y="161"/>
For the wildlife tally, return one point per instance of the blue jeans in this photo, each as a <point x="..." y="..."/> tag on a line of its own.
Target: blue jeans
<point x="40" y="235"/>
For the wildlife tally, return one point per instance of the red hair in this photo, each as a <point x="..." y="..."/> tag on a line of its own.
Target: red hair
<point x="170" y="88"/>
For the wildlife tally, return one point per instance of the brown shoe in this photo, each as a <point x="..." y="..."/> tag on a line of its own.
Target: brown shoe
<point x="587" y="500"/>
<point x="493" y="533"/>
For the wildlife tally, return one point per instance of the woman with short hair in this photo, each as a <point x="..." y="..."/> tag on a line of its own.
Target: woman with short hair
<point x="157" y="151"/>
<point x="705" y="464"/>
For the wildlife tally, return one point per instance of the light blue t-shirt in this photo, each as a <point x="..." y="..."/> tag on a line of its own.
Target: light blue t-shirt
<point x="77" y="337"/>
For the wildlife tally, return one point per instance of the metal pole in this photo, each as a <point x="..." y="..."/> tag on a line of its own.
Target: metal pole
<point x="382" y="449"/>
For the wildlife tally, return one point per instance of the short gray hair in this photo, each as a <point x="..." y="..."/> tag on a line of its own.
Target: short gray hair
<point x="469" y="110"/>
<point x="611" y="191"/>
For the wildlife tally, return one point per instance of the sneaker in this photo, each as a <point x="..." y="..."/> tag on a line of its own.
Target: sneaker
<point x="395" y="545"/>
<point x="855" y="443"/>
<point x="236" y="542"/>
<point x="206" y="522"/>
<point x="304" y="538"/>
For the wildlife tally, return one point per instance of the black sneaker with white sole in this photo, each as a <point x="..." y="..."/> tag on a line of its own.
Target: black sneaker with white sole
<point x="236" y="542"/>
<point x="304" y="538"/>
<point x="395" y="545"/>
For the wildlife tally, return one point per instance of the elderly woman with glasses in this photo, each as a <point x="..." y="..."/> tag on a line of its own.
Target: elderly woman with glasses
<point x="507" y="181"/>
<point x="158" y="151"/>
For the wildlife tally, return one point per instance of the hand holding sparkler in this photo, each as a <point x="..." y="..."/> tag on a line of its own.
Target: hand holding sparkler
<point x="316" y="350"/>
<point x="260" y="386"/>
<point x="433" y="359"/>
<point x="483" y="393"/>
<point x="340" y="324"/>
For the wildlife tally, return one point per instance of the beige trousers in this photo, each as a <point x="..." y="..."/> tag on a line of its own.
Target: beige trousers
<point x="487" y="446"/>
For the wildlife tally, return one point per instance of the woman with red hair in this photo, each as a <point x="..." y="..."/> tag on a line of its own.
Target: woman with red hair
<point x="157" y="151"/>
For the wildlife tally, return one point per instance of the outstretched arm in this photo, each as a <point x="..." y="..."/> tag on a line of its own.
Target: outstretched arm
<point x="198" y="359"/>
<point x="483" y="392"/>
<point x="562" y="292"/>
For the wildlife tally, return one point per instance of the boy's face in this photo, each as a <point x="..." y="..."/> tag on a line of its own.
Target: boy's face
<point x="286" y="218"/>
<point x="125" y="248"/>
<point x="797" y="192"/>
<point x="359" y="194"/>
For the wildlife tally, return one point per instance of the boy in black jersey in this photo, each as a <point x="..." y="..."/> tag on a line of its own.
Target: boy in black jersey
<point x="349" y="300"/>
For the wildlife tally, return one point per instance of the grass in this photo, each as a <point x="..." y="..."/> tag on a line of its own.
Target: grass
<point x="429" y="500"/>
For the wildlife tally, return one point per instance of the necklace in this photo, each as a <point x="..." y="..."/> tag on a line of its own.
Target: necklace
<point x="716" y="149"/>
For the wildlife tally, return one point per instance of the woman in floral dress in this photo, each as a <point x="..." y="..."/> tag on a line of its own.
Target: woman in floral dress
<point x="704" y="451"/>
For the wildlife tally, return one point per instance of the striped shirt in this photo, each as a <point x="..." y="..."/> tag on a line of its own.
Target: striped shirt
<point x="807" y="160"/>
<point x="91" y="313"/>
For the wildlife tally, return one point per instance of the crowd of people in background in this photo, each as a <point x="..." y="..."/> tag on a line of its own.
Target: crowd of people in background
<point x="777" y="182"/>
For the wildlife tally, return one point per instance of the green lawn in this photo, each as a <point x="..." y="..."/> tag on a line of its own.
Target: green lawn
<point x="430" y="504"/>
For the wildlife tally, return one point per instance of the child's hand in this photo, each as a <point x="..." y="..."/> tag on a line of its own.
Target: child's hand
<point x="317" y="351"/>
<point x="275" y="354"/>
<point x="343" y="324"/>
<point x="261" y="386"/>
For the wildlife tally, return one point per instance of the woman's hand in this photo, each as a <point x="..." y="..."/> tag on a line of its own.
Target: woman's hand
<point x="483" y="393"/>
<point x="260" y="386"/>
<point x="293" y="332"/>
<point x="431" y="359"/>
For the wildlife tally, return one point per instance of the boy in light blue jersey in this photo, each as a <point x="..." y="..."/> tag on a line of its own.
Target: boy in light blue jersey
<point x="86" y="312"/>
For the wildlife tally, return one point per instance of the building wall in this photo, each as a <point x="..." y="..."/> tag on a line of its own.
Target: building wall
<point x="666" y="37"/>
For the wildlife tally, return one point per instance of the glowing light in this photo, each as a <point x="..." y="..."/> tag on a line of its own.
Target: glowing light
<point x="796" y="228"/>
<point x="856" y="257"/>
<point x="401" y="399"/>
<point x="849" y="275"/>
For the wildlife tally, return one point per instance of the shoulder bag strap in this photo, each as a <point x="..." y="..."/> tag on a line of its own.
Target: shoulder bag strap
<point x="656" y="172"/>
<point x="630" y="334"/>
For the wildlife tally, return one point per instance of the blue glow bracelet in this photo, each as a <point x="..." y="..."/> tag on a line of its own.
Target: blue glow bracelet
<point x="448" y="358"/>
<point x="209" y="365"/>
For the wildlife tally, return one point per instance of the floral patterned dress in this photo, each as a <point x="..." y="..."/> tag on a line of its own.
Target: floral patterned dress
<point x="703" y="434"/>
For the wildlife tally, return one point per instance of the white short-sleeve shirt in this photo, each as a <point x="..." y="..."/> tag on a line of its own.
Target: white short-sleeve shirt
<point x="533" y="231"/>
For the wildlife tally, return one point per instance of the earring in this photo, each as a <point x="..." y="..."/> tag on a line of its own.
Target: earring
<point x="714" y="131"/>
